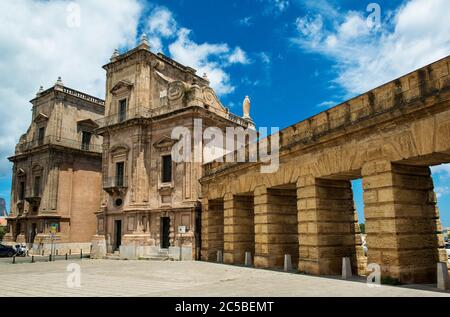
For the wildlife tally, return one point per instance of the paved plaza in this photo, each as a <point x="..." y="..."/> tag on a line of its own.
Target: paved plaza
<point x="158" y="278"/>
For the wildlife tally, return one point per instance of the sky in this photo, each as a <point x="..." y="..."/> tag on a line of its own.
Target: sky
<point x="293" y="58"/>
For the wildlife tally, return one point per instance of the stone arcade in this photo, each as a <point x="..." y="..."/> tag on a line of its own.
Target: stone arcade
<point x="389" y="137"/>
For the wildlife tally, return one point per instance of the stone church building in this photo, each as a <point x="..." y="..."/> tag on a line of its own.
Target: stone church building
<point x="89" y="170"/>
<point x="56" y="180"/>
<point x="150" y="204"/>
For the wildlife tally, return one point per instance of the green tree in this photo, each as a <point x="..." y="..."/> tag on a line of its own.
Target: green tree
<point x="362" y="228"/>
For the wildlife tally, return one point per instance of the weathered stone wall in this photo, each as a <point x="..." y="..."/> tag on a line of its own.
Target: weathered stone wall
<point x="239" y="228"/>
<point x="275" y="226"/>
<point x="212" y="229"/>
<point x="402" y="221"/>
<point x="69" y="192"/>
<point x="160" y="96"/>
<point x="328" y="226"/>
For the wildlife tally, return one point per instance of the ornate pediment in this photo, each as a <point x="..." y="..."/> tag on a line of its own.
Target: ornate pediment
<point x="164" y="143"/>
<point x="121" y="87"/>
<point x="177" y="89"/>
<point x="88" y="123"/>
<point x="210" y="99"/>
<point x="40" y="118"/>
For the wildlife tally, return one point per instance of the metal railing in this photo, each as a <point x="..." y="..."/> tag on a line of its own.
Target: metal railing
<point x="83" y="95"/>
<point x="144" y="112"/>
<point x="54" y="140"/>
<point x="239" y="120"/>
<point x="115" y="182"/>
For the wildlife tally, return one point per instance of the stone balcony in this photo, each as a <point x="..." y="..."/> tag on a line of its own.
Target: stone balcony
<point x="142" y="112"/>
<point x="115" y="185"/>
<point x="57" y="141"/>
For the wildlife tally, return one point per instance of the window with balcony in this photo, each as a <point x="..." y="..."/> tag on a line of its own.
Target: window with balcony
<point x="120" y="169"/>
<point x="85" y="140"/>
<point x="22" y="190"/>
<point x="41" y="135"/>
<point x="122" y="110"/>
<point x="37" y="186"/>
<point x="166" y="172"/>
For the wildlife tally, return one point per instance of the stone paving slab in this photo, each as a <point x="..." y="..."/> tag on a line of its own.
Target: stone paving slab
<point x="155" y="278"/>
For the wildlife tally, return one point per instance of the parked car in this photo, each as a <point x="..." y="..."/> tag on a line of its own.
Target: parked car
<point x="7" y="251"/>
<point x="21" y="250"/>
<point x="447" y="248"/>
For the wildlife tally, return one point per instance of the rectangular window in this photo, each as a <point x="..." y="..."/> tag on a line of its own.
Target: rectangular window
<point x="122" y="110"/>
<point x="120" y="168"/>
<point x="22" y="190"/>
<point x="85" y="140"/>
<point x="37" y="186"/>
<point x="166" y="169"/>
<point x="41" y="135"/>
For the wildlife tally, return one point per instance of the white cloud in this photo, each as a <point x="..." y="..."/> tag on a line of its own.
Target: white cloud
<point x="275" y="6"/>
<point x="311" y="29"/>
<point x="417" y="34"/>
<point x="246" y="21"/>
<point x="265" y="57"/>
<point x="211" y="59"/>
<point x="327" y="104"/>
<point x="443" y="170"/>
<point x="161" y="22"/>
<point x="442" y="191"/>
<point x="238" y="57"/>
<point x="37" y="45"/>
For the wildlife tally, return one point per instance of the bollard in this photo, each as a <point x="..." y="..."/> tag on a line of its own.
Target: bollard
<point x="14" y="259"/>
<point x="219" y="256"/>
<point x="287" y="263"/>
<point x="346" y="268"/>
<point x="32" y="259"/>
<point x="248" y="259"/>
<point x="442" y="276"/>
<point x="49" y="257"/>
<point x="66" y="256"/>
<point x="81" y="253"/>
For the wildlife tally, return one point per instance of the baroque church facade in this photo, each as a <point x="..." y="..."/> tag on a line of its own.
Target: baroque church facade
<point x="136" y="199"/>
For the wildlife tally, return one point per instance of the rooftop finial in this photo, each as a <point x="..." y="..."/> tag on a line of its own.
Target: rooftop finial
<point x="40" y="91"/>
<point x="144" y="40"/>
<point x="59" y="82"/>
<point x="115" y="54"/>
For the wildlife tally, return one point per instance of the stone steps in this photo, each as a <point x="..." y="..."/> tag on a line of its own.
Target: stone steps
<point x="113" y="256"/>
<point x="162" y="255"/>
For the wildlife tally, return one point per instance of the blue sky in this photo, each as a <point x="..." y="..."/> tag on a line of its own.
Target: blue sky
<point x="293" y="58"/>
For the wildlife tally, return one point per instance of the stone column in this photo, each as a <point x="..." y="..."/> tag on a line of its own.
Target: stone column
<point x="328" y="226"/>
<point x="204" y="252"/>
<point x="239" y="229"/>
<point x="212" y="229"/>
<point x="404" y="234"/>
<point x="276" y="231"/>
